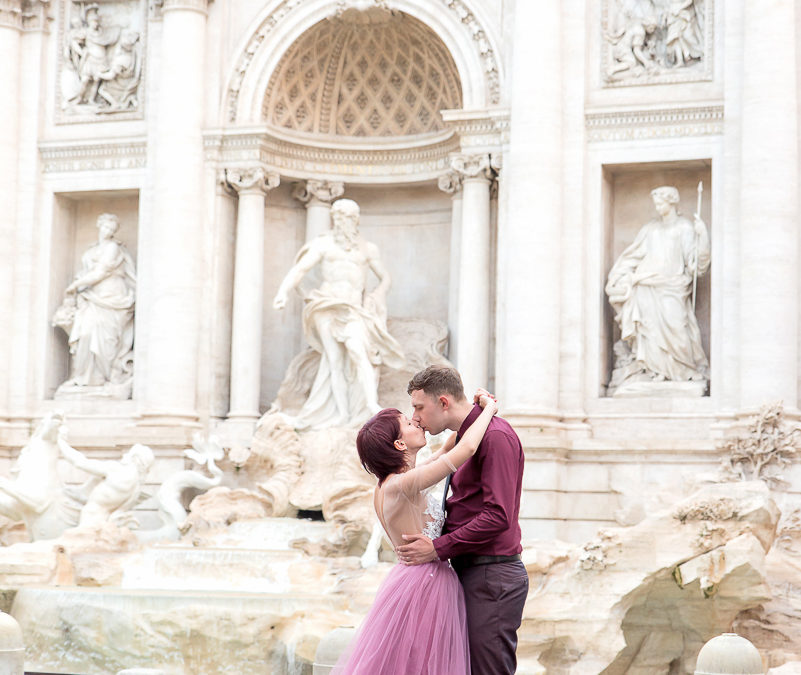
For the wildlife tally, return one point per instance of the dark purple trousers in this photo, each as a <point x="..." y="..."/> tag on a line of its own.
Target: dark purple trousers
<point x="494" y="595"/>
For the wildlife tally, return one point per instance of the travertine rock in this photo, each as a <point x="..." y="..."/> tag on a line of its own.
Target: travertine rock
<point x="641" y="598"/>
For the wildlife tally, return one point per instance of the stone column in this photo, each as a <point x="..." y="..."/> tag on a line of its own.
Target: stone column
<point x="10" y="29"/>
<point x="529" y="250"/>
<point x="174" y="236"/>
<point x="252" y="184"/>
<point x="769" y="207"/>
<point x="451" y="183"/>
<point x="317" y="196"/>
<point x="473" y="306"/>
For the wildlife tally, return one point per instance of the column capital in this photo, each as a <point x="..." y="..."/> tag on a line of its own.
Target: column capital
<point x="251" y="179"/>
<point x="201" y="6"/>
<point x="11" y="14"/>
<point x="321" y="190"/>
<point x="450" y="182"/>
<point x="473" y="166"/>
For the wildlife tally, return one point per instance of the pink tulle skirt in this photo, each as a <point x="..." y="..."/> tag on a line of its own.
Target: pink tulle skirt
<point x="416" y="626"/>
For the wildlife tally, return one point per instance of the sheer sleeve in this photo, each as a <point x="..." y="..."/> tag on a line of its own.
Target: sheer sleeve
<point x="422" y="477"/>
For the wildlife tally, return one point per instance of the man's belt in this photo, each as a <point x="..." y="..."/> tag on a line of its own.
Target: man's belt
<point x="461" y="562"/>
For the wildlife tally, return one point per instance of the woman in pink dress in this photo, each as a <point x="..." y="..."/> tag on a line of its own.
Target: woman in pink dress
<point x="417" y="625"/>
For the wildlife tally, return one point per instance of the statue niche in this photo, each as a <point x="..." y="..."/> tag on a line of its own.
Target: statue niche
<point x="97" y="313"/>
<point x="652" y="289"/>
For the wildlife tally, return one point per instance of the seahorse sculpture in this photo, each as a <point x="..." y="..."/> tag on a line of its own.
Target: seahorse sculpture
<point x="168" y="497"/>
<point x="35" y="493"/>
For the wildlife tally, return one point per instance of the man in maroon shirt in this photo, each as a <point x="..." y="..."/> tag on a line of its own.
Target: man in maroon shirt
<point x="481" y="534"/>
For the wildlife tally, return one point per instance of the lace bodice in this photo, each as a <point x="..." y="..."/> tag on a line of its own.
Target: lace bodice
<point x="432" y="528"/>
<point x="405" y="504"/>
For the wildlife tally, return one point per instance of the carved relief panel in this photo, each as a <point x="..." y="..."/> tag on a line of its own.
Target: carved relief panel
<point x="656" y="41"/>
<point x="101" y="60"/>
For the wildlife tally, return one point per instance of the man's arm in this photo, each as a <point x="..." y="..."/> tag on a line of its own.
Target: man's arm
<point x="499" y="476"/>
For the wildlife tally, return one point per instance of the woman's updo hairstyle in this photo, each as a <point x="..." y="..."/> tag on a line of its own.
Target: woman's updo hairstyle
<point x="375" y="444"/>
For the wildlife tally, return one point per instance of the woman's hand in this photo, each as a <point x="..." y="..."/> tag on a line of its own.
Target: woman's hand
<point x="485" y="399"/>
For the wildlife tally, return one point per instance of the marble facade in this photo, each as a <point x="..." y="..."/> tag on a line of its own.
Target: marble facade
<point x="504" y="193"/>
<point x="502" y="154"/>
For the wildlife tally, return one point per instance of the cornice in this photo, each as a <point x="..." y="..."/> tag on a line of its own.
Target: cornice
<point x="390" y="162"/>
<point x="626" y="125"/>
<point x="65" y="157"/>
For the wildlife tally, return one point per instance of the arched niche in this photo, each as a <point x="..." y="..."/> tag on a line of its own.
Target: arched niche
<point x="466" y="36"/>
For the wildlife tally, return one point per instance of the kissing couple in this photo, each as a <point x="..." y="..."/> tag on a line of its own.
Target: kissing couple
<point x="453" y="603"/>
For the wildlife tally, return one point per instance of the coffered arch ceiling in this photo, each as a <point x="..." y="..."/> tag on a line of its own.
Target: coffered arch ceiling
<point x="363" y="74"/>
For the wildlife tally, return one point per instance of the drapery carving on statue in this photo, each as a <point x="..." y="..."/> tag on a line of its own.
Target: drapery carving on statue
<point x="97" y="314"/>
<point x="647" y="39"/>
<point x="651" y="288"/>
<point x="344" y="323"/>
<point x="102" y="65"/>
<point x="765" y="451"/>
<point x="204" y="452"/>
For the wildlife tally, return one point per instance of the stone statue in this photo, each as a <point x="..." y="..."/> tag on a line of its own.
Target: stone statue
<point x="97" y="314"/>
<point x="34" y="492"/>
<point x="119" y="83"/>
<point x="685" y="39"/>
<point x="651" y="287"/>
<point x="344" y="324"/>
<point x="116" y="486"/>
<point x="104" y="63"/>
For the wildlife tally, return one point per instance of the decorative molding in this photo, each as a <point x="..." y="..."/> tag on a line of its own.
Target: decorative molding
<point x="364" y="76"/>
<point x="465" y="16"/>
<point x="476" y="165"/>
<point x="649" y="124"/>
<point x="484" y="48"/>
<point x="72" y="157"/>
<point x="266" y="27"/>
<point x="623" y="50"/>
<point x="11" y="14"/>
<point x="479" y="130"/>
<point x="323" y="160"/>
<point x="36" y="15"/>
<point x="201" y="6"/>
<point x="450" y="182"/>
<point x="321" y="190"/>
<point x="252" y="179"/>
<point x="360" y="5"/>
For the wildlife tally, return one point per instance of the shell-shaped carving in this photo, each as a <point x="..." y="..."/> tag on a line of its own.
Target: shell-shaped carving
<point x="364" y="74"/>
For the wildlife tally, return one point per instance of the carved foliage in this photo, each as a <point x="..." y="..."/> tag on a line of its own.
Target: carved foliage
<point x="765" y="451"/>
